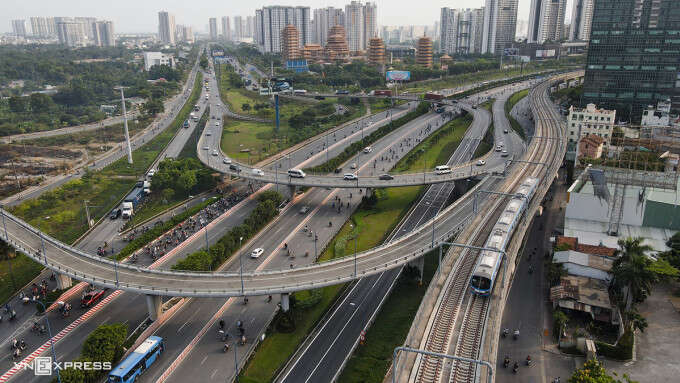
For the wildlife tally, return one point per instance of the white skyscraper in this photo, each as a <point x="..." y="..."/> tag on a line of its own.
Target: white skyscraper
<point x="250" y="26"/>
<point x="500" y="24"/>
<point x="226" y="28"/>
<point x="238" y="28"/>
<point x="70" y="32"/>
<point x="166" y="28"/>
<point x="270" y="21"/>
<point x="324" y="20"/>
<point x="212" y="22"/>
<point x="581" y="18"/>
<point x="39" y="27"/>
<point x="354" y="26"/>
<point x="370" y="23"/>
<point x="546" y="20"/>
<point x="19" y="28"/>
<point x="461" y="31"/>
<point x="102" y="34"/>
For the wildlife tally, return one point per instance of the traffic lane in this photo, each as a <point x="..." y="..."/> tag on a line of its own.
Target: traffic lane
<point x="69" y="348"/>
<point x="298" y="245"/>
<point x="344" y="331"/>
<point x="206" y="309"/>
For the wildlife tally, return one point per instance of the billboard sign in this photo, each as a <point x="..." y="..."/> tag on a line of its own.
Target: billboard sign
<point x="541" y="53"/>
<point x="511" y="52"/>
<point x="398" y="75"/>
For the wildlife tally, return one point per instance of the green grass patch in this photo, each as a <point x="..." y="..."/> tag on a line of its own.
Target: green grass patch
<point x="189" y="149"/>
<point x="512" y="101"/>
<point x="368" y="227"/>
<point x="23" y="271"/>
<point x="107" y="134"/>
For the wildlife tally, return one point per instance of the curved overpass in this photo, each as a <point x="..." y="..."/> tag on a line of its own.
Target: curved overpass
<point x="82" y="266"/>
<point x="493" y="163"/>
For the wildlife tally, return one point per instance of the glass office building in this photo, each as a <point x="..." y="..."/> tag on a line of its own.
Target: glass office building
<point x="634" y="56"/>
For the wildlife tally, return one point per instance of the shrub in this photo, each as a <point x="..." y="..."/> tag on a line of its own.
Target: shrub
<point x="623" y="350"/>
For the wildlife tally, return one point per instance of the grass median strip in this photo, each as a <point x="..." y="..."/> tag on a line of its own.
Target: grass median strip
<point x="512" y="101"/>
<point x="368" y="227"/>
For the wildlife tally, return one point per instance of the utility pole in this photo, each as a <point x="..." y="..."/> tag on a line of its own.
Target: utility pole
<point x="87" y="212"/>
<point x="127" y="133"/>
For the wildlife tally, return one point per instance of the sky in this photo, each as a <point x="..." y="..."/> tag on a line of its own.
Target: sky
<point x="130" y="16"/>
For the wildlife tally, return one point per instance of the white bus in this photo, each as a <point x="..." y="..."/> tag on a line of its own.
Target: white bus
<point x="442" y="169"/>
<point x="296" y="173"/>
<point x="300" y="92"/>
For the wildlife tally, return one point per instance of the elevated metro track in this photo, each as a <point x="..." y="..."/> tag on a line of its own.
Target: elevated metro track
<point x="90" y="268"/>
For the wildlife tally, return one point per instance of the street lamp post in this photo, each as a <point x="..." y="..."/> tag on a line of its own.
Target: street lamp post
<point x="240" y="261"/>
<point x="49" y="332"/>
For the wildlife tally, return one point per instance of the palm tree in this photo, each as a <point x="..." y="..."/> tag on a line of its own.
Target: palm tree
<point x="632" y="276"/>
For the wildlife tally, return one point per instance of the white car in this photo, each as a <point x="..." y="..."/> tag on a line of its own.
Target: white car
<point x="206" y="148"/>
<point x="214" y="153"/>
<point x="256" y="253"/>
<point x="353" y="166"/>
<point x="350" y="177"/>
<point x="208" y="133"/>
<point x="226" y="160"/>
<point x="368" y="149"/>
<point x="258" y="172"/>
<point x="481" y="163"/>
<point x="217" y="124"/>
<point x="499" y="148"/>
<point x="504" y="153"/>
<point x="151" y="172"/>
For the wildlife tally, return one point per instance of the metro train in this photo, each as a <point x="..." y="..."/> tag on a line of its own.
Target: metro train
<point x="489" y="261"/>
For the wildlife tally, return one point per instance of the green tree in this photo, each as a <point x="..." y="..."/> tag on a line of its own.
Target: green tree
<point x="560" y="321"/>
<point x="153" y="106"/>
<point x="636" y="320"/>
<point x="41" y="103"/>
<point x="187" y="181"/>
<point x="593" y="372"/>
<point x="245" y="107"/>
<point x="203" y="62"/>
<point x="18" y="104"/>
<point x="632" y="276"/>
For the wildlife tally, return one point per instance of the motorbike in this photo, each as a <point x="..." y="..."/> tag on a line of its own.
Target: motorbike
<point x="223" y="335"/>
<point x="515" y="335"/>
<point x="225" y="348"/>
<point x="515" y="368"/>
<point x="506" y="362"/>
<point x="505" y="332"/>
<point x="528" y="360"/>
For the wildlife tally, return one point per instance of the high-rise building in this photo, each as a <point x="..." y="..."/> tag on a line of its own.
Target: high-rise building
<point x="290" y="43"/>
<point x="546" y="20"/>
<point x="70" y="32"/>
<point x="633" y="58"/>
<point x="39" y="27"/>
<point x="250" y="26"/>
<point x="102" y="32"/>
<point x="238" y="28"/>
<point x="166" y="28"/>
<point x="424" y="52"/>
<point x="270" y="21"/>
<point x="461" y="31"/>
<point x="500" y="24"/>
<point x="19" y="28"/>
<point x="184" y="33"/>
<point x="226" y="28"/>
<point x="376" y="51"/>
<point x="581" y="17"/>
<point x="361" y="24"/>
<point x="370" y="23"/>
<point x="51" y="26"/>
<point x="212" y="22"/>
<point x="87" y="27"/>
<point x="324" y="20"/>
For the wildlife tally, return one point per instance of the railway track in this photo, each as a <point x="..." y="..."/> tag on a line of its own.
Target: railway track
<point x="470" y="337"/>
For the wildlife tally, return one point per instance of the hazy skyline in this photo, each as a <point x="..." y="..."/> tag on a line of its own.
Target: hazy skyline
<point x="142" y="16"/>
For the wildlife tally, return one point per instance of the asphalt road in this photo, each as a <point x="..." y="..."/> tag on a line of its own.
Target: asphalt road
<point x="133" y="311"/>
<point x="322" y="357"/>
<point x="202" y="362"/>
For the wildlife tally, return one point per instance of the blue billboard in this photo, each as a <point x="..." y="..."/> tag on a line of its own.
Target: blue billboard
<point x="398" y="75"/>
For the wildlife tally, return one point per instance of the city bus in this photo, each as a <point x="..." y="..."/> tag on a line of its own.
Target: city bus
<point x="138" y="361"/>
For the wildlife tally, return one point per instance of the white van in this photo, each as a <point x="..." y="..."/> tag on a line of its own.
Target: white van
<point x="296" y="173"/>
<point x="442" y="169"/>
<point x="368" y="149"/>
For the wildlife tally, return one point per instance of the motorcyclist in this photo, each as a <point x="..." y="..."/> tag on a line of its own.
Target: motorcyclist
<point x="15" y="343"/>
<point x="528" y="360"/>
<point x="515" y="367"/>
<point x="506" y="361"/>
<point x="531" y="269"/>
<point x="269" y="299"/>
<point x="516" y="334"/>
<point x="506" y="331"/>
<point x="226" y="347"/>
<point x="221" y="324"/>
<point x="22" y="344"/>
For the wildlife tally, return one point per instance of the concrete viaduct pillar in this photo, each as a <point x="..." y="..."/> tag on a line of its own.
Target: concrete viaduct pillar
<point x="292" y="189"/>
<point x="285" y="302"/>
<point x="419" y="264"/>
<point x="63" y="281"/>
<point x="154" y="303"/>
